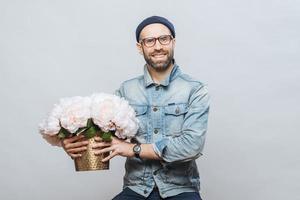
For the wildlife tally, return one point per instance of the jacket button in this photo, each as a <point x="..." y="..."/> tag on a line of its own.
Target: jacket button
<point x="156" y="88"/>
<point x="155" y="131"/>
<point x="145" y="191"/>
<point x="154" y="173"/>
<point x="155" y="109"/>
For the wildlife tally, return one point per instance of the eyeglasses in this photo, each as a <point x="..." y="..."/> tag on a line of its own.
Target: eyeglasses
<point x="151" y="41"/>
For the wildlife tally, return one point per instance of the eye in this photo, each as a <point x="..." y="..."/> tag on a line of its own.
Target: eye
<point x="164" y="38"/>
<point x="149" y="40"/>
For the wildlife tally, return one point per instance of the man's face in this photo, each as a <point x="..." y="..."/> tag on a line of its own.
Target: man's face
<point x="159" y="56"/>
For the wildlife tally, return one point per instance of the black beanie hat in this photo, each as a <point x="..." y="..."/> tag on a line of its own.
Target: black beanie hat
<point x="153" y="20"/>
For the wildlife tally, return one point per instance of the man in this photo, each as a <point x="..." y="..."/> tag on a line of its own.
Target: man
<point x="172" y="109"/>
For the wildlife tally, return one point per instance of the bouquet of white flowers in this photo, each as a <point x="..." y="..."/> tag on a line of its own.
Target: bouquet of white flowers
<point x="99" y="114"/>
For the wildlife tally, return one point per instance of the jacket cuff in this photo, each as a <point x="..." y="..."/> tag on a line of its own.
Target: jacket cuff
<point x="160" y="146"/>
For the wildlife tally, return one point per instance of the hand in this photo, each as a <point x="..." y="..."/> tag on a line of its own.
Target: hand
<point x="73" y="147"/>
<point x="116" y="147"/>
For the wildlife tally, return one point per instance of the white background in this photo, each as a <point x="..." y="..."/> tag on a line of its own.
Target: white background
<point x="246" y="51"/>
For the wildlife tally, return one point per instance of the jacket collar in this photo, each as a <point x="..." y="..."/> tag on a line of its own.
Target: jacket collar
<point x="174" y="73"/>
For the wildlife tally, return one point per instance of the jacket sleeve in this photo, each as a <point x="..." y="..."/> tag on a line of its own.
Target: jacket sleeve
<point x="189" y="144"/>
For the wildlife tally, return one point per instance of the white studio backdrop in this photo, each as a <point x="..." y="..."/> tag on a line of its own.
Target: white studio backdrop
<point x="246" y="51"/>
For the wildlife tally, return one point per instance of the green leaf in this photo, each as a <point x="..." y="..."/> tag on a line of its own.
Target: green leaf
<point x="106" y="136"/>
<point x="80" y="130"/>
<point x="90" y="132"/>
<point x="90" y="123"/>
<point x="63" y="133"/>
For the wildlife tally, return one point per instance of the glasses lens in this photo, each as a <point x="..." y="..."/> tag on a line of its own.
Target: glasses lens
<point x="165" y="39"/>
<point x="149" y="42"/>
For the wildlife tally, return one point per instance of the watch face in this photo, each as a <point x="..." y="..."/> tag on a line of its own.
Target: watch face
<point x="137" y="148"/>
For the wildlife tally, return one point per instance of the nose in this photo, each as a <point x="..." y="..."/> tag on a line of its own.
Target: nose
<point x="157" y="45"/>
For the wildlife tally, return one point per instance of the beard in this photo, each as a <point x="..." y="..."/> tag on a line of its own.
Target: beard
<point x="159" y="65"/>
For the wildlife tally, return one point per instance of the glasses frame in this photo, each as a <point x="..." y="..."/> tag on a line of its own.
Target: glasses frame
<point x="142" y="41"/>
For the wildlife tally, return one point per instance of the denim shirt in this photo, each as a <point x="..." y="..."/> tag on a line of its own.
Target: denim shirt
<point x="173" y="118"/>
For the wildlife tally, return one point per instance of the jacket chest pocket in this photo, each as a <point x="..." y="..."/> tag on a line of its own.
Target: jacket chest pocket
<point x="174" y="118"/>
<point x="141" y="115"/>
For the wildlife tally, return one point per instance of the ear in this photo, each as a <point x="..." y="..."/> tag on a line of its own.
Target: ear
<point x="139" y="48"/>
<point x="174" y="42"/>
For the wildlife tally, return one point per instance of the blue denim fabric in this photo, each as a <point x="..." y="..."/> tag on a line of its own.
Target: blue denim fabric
<point x="128" y="194"/>
<point x="173" y="118"/>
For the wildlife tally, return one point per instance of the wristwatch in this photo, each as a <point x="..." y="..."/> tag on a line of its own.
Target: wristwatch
<point x="137" y="150"/>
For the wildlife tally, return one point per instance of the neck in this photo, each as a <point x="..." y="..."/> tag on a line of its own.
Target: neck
<point x="157" y="75"/>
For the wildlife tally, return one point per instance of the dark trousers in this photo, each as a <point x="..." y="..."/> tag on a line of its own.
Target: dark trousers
<point x="128" y="194"/>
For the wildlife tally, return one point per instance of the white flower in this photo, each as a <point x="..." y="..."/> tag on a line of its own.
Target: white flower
<point x="50" y="125"/>
<point x="103" y="110"/>
<point x="70" y="113"/>
<point x="75" y="112"/>
<point x="111" y="112"/>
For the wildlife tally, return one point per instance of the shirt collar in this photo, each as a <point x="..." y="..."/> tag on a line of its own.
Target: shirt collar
<point x="174" y="73"/>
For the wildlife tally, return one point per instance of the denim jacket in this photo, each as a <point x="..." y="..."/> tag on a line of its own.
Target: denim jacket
<point x="173" y="118"/>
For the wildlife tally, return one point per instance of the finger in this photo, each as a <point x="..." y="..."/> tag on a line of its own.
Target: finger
<point x="98" y="139"/>
<point x="100" y="145"/>
<point x="108" y="149"/>
<point x="75" y="138"/>
<point x="77" y="150"/>
<point x="113" y="154"/>
<point x="76" y="144"/>
<point x="75" y="155"/>
<point x="67" y="141"/>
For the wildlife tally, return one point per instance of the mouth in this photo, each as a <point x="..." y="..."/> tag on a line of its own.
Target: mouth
<point x="159" y="55"/>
